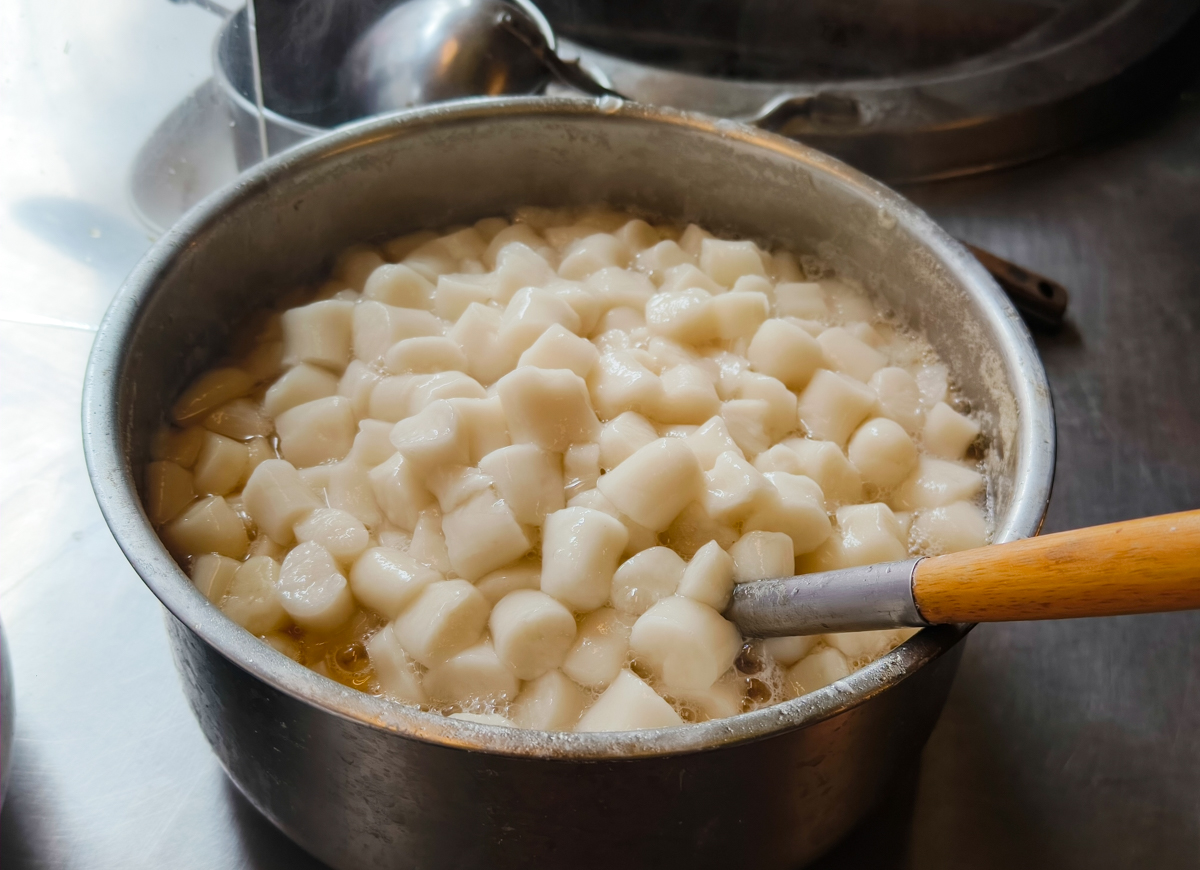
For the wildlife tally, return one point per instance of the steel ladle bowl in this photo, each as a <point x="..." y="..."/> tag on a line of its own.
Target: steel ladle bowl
<point x="361" y="782"/>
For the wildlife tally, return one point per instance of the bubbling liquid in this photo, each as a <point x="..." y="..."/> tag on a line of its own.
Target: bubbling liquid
<point x="512" y="472"/>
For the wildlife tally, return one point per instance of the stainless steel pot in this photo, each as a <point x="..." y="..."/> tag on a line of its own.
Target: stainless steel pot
<point x="362" y="782"/>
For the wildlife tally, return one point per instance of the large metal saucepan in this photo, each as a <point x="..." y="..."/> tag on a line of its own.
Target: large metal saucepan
<point x="361" y="782"/>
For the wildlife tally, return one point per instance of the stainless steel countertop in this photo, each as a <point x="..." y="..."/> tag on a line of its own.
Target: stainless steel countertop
<point x="1064" y="745"/>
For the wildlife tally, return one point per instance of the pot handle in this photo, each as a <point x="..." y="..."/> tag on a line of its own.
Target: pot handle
<point x="209" y="6"/>
<point x="1042" y="302"/>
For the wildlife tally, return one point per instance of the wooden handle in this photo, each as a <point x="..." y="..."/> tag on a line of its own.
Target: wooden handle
<point x="1140" y="566"/>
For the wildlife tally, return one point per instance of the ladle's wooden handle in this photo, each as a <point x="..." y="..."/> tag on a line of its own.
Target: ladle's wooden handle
<point x="1139" y="566"/>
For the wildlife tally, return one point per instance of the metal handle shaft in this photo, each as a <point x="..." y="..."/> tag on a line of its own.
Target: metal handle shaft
<point x="852" y="599"/>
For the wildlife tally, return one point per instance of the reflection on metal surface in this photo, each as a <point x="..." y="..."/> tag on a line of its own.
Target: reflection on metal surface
<point x="188" y="156"/>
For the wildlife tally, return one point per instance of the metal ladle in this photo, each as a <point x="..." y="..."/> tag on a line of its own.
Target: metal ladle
<point x="1151" y="565"/>
<point x="425" y="51"/>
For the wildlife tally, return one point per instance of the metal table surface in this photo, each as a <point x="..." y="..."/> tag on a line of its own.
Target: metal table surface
<point x="1063" y="745"/>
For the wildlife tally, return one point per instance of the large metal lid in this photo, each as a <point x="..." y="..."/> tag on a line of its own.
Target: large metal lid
<point x="902" y="89"/>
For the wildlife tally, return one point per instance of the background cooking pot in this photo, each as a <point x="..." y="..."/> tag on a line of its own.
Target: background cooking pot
<point x="300" y="67"/>
<point x="362" y="782"/>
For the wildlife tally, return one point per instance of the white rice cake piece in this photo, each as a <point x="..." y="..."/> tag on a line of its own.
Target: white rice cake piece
<point x="688" y="644"/>
<point x="857" y="646"/>
<point x="425" y="355"/>
<point x="168" y="491"/>
<point x="276" y="499"/>
<point x="531" y="632"/>
<point x="299" y="384"/>
<point x="748" y="422"/>
<point x="867" y="534"/>
<point x="239" y="419"/>
<point x="180" y="446"/>
<point x="618" y="288"/>
<point x="694" y="528"/>
<point x="581" y="468"/>
<point x="708" y="577"/>
<point x="600" y="649"/>
<point x="313" y="590"/>
<point x="474" y="675"/>
<point x="433" y="438"/>
<point x="710" y="441"/>
<point x="552" y="702"/>
<point x="580" y="550"/>
<point x="653" y="485"/>
<point x="796" y="507"/>
<point x="899" y="397"/>
<point x="833" y="405"/>
<point x="559" y="348"/>
<point x="740" y="313"/>
<point x="628" y="704"/>
<point x="726" y="261"/>
<point x="949" y="529"/>
<point x="785" y="352"/>
<point x="657" y="260"/>
<point x="340" y="533"/>
<point x="825" y="463"/>
<point x="399" y="285"/>
<point x="621" y="381"/>
<point x="220" y="465"/>
<point x="803" y="299"/>
<point x="387" y="580"/>
<point x="529" y="478"/>
<point x="209" y="525"/>
<point x="529" y="313"/>
<point x="485" y="425"/>
<point x="213" y="574"/>
<point x="788" y="650"/>
<point x="447" y="617"/>
<point x="212" y="389"/>
<point x="395" y="672"/>
<point x="818" y="669"/>
<point x="882" y="452"/>
<point x="522" y="574"/>
<point x="623" y="436"/>
<point x="937" y="483"/>
<point x="845" y="353"/>
<point x="548" y="407"/>
<point x="317" y="432"/>
<point x="399" y="491"/>
<point x="477" y="332"/>
<point x="688" y="396"/>
<point x="760" y="555"/>
<point x="645" y="579"/>
<point x="685" y="315"/>
<point x="640" y="537"/>
<point x="253" y="600"/>
<point x="733" y="488"/>
<point x="589" y="255"/>
<point x="482" y="535"/>
<point x="318" y="333"/>
<point x="948" y="433"/>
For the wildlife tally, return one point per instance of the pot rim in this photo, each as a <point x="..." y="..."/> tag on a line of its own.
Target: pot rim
<point x="116" y="491"/>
